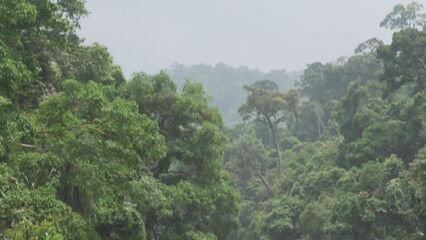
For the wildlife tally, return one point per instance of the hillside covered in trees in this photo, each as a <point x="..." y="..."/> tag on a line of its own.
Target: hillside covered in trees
<point x="344" y="155"/>
<point x="87" y="154"/>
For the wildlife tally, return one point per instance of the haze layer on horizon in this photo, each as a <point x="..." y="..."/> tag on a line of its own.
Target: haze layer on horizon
<point x="148" y="36"/>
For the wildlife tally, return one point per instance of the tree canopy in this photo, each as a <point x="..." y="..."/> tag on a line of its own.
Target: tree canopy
<point x="354" y="159"/>
<point x="87" y="154"/>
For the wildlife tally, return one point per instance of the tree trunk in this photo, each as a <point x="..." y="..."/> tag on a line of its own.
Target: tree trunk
<point x="277" y="145"/>
<point x="265" y="182"/>
<point x="319" y="120"/>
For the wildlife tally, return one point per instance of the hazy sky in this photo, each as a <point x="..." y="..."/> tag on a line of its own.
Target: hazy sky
<point x="149" y="35"/>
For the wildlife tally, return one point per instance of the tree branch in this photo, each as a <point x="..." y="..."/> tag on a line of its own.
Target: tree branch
<point x="264" y="181"/>
<point x="24" y="145"/>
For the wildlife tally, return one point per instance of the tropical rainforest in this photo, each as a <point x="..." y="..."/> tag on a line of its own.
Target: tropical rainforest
<point x="87" y="154"/>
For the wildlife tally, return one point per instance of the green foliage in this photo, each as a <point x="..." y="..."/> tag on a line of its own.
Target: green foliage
<point x="266" y="102"/>
<point x="225" y="84"/>
<point x="277" y="219"/>
<point x="92" y="154"/>
<point x="101" y="158"/>
<point x="194" y="198"/>
<point x="13" y="72"/>
<point x="403" y="17"/>
<point x="349" y="113"/>
<point x="420" y="169"/>
<point x="354" y="217"/>
<point x="324" y="84"/>
<point x="90" y="63"/>
<point x="247" y="157"/>
<point x="120" y="222"/>
<point x="369" y="46"/>
<point x="269" y="106"/>
<point x="313" y="218"/>
<point x="32" y="214"/>
<point x="27" y="230"/>
<point x="354" y="161"/>
<point x="404" y="61"/>
<point x="32" y="36"/>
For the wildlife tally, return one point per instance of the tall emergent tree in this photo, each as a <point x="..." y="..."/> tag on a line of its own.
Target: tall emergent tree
<point x="270" y="106"/>
<point x="403" y="17"/>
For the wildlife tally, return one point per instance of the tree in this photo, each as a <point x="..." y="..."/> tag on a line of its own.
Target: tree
<point x="369" y="46"/>
<point x="181" y="118"/>
<point x="347" y="110"/>
<point x="195" y="200"/>
<point x="248" y="157"/>
<point x="324" y="84"/>
<point x="266" y="104"/>
<point x="404" y="61"/>
<point x="98" y="144"/>
<point x="277" y="219"/>
<point x="225" y="84"/>
<point x="419" y="168"/>
<point x="90" y="63"/>
<point x="13" y="72"/>
<point x="36" y="32"/>
<point x="403" y="17"/>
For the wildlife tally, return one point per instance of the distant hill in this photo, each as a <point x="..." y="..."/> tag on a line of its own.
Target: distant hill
<point x="225" y="84"/>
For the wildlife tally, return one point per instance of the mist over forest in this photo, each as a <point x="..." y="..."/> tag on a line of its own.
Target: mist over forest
<point x="334" y="151"/>
<point x="224" y="84"/>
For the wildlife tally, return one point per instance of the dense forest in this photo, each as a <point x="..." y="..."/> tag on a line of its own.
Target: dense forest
<point x="87" y="154"/>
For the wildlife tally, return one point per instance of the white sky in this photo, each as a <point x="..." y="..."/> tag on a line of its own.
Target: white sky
<point x="150" y="35"/>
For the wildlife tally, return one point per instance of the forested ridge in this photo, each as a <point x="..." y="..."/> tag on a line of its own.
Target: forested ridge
<point x="87" y="154"/>
<point x="224" y="84"/>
